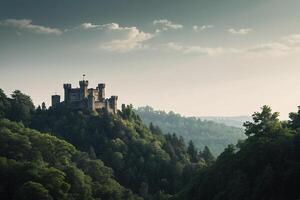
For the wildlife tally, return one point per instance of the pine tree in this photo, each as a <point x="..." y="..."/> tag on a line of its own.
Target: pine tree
<point x="207" y="155"/>
<point x="192" y="151"/>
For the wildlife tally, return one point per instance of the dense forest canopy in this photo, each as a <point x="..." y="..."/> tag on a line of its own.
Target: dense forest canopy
<point x="202" y="132"/>
<point x="264" y="166"/>
<point x="60" y="153"/>
<point x="143" y="159"/>
<point x="41" y="166"/>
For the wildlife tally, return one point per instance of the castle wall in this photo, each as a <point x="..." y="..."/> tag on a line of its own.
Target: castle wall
<point x="84" y="98"/>
<point x="91" y="102"/>
<point x="96" y="95"/>
<point x="74" y="95"/>
<point x="113" y="103"/>
<point x="55" y="99"/>
<point x="99" y="105"/>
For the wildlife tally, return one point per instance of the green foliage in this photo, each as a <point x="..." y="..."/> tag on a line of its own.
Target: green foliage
<point x="192" y="151"/>
<point x="138" y="155"/>
<point x="18" y="108"/>
<point x="207" y="155"/>
<point x="264" y="166"/>
<point x="31" y="190"/>
<point x="157" y="166"/>
<point x="264" y="122"/>
<point x="21" y="107"/>
<point x="143" y="159"/>
<point x="39" y="166"/>
<point x="4" y="104"/>
<point x="203" y="133"/>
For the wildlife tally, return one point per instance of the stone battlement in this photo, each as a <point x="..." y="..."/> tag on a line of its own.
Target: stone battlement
<point x="87" y="98"/>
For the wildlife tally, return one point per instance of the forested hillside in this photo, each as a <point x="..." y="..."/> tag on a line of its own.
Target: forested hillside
<point x="78" y="154"/>
<point x="202" y="132"/>
<point x="39" y="166"/>
<point x="153" y="165"/>
<point x="264" y="166"/>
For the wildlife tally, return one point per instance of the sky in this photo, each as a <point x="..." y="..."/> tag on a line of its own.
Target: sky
<point x="194" y="57"/>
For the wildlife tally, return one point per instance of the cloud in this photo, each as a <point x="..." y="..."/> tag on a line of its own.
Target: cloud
<point x="202" y="28"/>
<point x="117" y="27"/>
<point x="88" y="25"/>
<point x="165" y="25"/>
<point x="26" y="24"/>
<point x="266" y="47"/>
<point x="283" y="47"/>
<point x="131" y="38"/>
<point x="292" y="40"/>
<point x="209" y="51"/>
<point x="121" y="39"/>
<point x="110" y="26"/>
<point x="243" y="31"/>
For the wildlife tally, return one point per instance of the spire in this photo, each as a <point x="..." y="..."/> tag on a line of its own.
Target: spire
<point x="83" y="76"/>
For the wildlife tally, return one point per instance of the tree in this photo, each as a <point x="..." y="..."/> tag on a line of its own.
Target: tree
<point x="207" y="155"/>
<point x="44" y="106"/>
<point x="4" y="104"/>
<point x="155" y="129"/>
<point x="144" y="190"/>
<point x="264" y="122"/>
<point x="192" y="151"/>
<point x="32" y="190"/>
<point x="266" y="184"/>
<point x="92" y="153"/>
<point x="21" y="107"/>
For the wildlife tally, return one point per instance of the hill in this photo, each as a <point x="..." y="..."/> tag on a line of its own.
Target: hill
<point x="235" y="121"/>
<point x="264" y="166"/>
<point x="144" y="160"/>
<point x="80" y="154"/>
<point x="202" y="132"/>
<point x="36" y="165"/>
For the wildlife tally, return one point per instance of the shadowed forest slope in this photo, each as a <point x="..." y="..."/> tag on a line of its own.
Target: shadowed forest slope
<point x="202" y="132"/>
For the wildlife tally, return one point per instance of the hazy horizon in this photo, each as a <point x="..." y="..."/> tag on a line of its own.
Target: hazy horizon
<point x="194" y="57"/>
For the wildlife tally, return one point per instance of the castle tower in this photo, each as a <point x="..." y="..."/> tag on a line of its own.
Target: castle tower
<point x="91" y="102"/>
<point x="83" y="89"/>
<point x="55" y="99"/>
<point x="101" y="91"/>
<point x="84" y="98"/>
<point x="67" y="88"/>
<point x="113" y="103"/>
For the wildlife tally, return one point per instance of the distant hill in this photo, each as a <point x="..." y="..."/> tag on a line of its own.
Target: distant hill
<point x="202" y="132"/>
<point x="236" y="121"/>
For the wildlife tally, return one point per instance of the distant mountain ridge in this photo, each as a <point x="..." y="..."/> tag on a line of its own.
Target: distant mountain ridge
<point x="236" y="121"/>
<point x="202" y="132"/>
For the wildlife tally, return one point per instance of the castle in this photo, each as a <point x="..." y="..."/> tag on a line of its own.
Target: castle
<point x="87" y="98"/>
